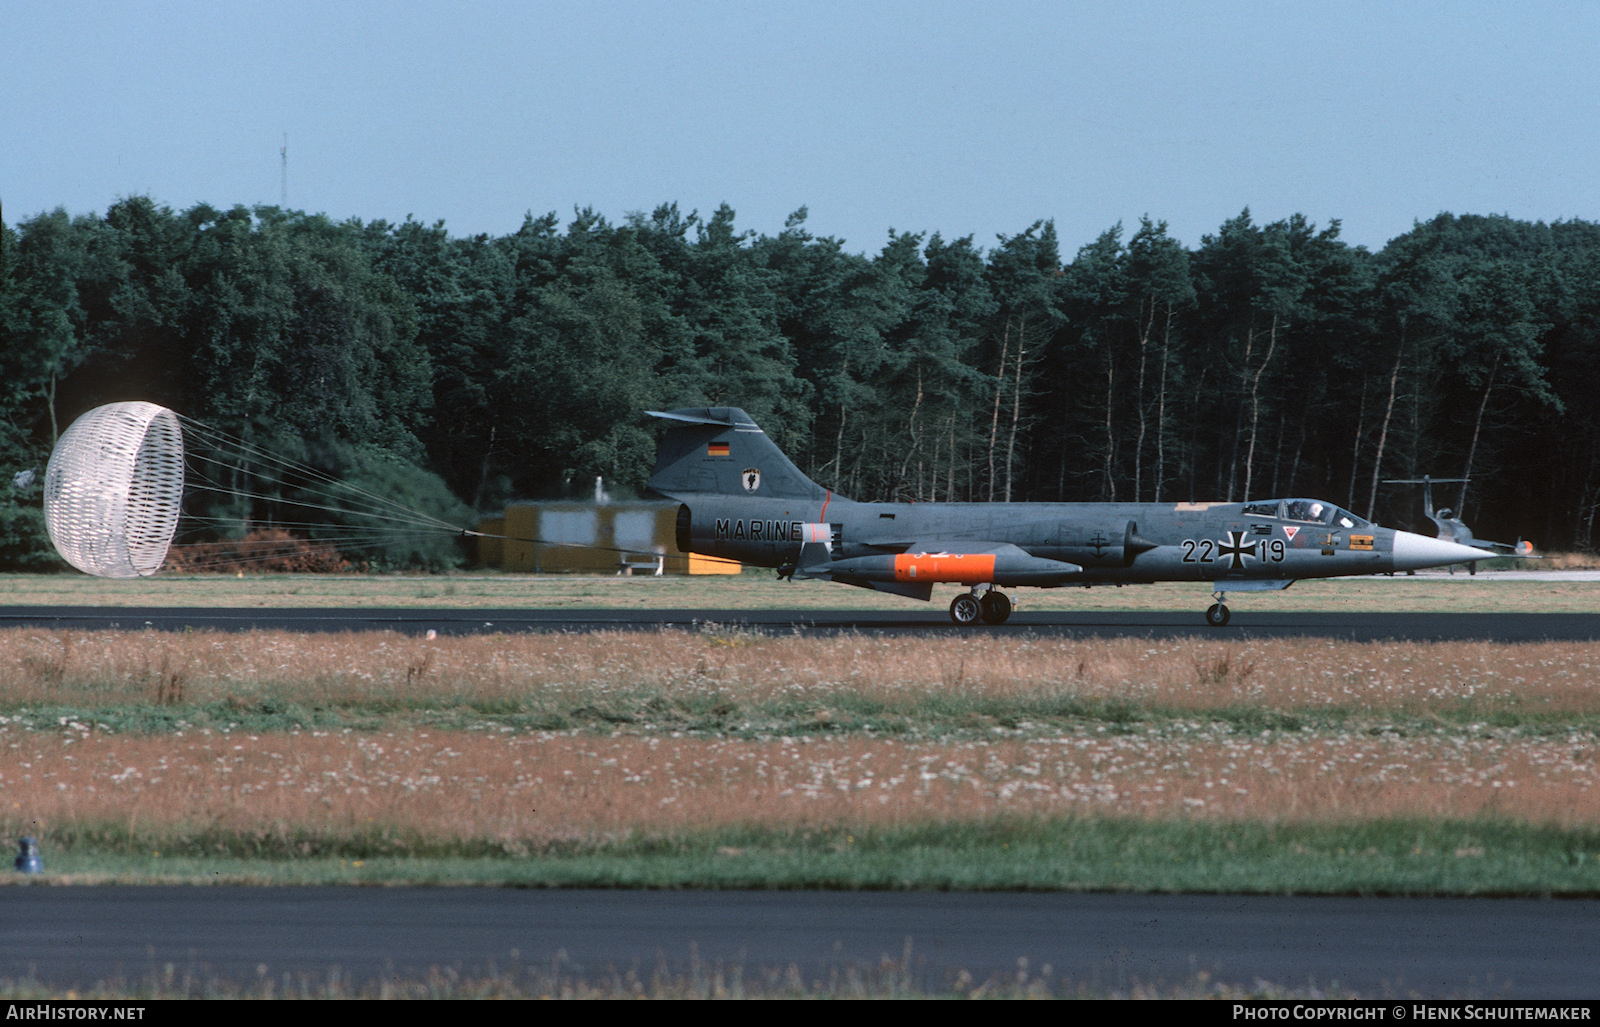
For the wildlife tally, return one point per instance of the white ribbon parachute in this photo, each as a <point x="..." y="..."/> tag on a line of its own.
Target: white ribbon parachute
<point x="115" y="485"/>
<point x="114" y="488"/>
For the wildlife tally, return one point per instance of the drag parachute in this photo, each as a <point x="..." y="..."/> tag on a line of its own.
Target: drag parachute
<point x="132" y="487"/>
<point x="113" y="489"/>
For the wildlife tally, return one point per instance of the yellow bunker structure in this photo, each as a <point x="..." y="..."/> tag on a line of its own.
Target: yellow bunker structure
<point x="591" y="538"/>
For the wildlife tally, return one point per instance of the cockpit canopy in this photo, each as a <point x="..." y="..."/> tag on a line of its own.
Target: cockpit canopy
<point x="1309" y="511"/>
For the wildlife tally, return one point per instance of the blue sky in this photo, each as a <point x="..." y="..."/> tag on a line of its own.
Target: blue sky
<point x="963" y="118"/>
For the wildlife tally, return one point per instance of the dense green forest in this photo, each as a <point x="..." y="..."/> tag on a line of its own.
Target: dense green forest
<point x="1271" y="359"/>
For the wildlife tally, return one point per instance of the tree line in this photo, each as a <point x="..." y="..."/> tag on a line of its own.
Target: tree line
<point x="1271" y="359"/>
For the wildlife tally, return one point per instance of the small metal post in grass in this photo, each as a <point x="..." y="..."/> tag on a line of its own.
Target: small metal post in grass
<point x="28" y="856"/>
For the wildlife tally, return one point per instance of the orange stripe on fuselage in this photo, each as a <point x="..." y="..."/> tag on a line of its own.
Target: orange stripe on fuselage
<point x="968" y="570"/>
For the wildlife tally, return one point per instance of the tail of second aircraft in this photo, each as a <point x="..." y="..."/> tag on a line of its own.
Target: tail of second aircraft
<point x="721" y="451"/>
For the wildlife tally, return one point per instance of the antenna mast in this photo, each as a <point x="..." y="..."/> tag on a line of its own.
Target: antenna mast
<point x="283" y="154"/>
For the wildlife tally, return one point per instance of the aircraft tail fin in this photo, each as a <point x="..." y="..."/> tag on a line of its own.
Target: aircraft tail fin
<point x="720" y="450"/>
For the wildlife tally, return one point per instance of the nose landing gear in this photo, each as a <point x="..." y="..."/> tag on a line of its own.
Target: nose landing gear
<point x="1217" y="616"/>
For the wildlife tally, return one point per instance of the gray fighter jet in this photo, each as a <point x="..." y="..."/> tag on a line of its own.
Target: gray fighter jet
<point x="1454" y="528"/>
<point x="742" y="499"/>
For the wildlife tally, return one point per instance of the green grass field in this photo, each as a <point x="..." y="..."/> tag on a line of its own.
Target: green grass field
<point x="1390" y="857"/>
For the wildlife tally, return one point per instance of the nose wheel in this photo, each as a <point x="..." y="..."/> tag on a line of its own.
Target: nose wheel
<point x="1218" y="615"/>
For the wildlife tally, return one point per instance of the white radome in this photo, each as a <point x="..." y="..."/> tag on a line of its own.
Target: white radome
<point x="114" y="488"/>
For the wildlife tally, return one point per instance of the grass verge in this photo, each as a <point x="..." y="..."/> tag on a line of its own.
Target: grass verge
<point x="1410" y="857"/>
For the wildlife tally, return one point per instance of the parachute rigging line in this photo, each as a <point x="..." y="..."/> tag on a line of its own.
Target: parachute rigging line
<point x="115" y="486"/>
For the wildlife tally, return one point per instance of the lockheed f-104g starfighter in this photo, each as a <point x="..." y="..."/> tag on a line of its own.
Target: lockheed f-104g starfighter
<point x="742" y="499"/>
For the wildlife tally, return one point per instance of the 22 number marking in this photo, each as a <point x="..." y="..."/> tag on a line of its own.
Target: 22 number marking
<point x="1205" y="550"/>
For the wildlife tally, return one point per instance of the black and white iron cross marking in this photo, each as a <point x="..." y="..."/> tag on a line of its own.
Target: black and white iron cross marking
<point x="1236" y="548"/>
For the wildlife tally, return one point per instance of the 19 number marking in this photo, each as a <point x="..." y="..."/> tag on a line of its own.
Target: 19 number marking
<point x="1205" y="550"/>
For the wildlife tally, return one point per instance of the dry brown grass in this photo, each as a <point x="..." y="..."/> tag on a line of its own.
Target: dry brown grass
<point x="1563" y="562"/>
<point x="95" y="668"/>
<point x="518" y="789"/>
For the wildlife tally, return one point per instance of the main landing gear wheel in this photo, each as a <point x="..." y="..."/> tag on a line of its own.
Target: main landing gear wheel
<point x="964" y="609"/>
<point x="1217" y="616"/>
<point x="996" y="607"/>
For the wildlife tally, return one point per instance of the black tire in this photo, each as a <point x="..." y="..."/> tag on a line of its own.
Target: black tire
<point x="996" y="607"/>
<point x="1217" y="616"/>
<point x="964" y="609"/>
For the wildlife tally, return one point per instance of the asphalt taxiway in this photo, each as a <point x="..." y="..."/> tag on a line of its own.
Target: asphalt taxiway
<point x="1078" y="943"/>
<point x="1359" y="626"/>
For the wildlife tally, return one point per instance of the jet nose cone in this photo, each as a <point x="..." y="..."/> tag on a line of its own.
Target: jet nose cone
<point x="1413" y="552"/>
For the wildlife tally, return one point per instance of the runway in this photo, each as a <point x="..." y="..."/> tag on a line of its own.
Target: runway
<point x="1101" y="944"/>
<point x="1246" y="624"/>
